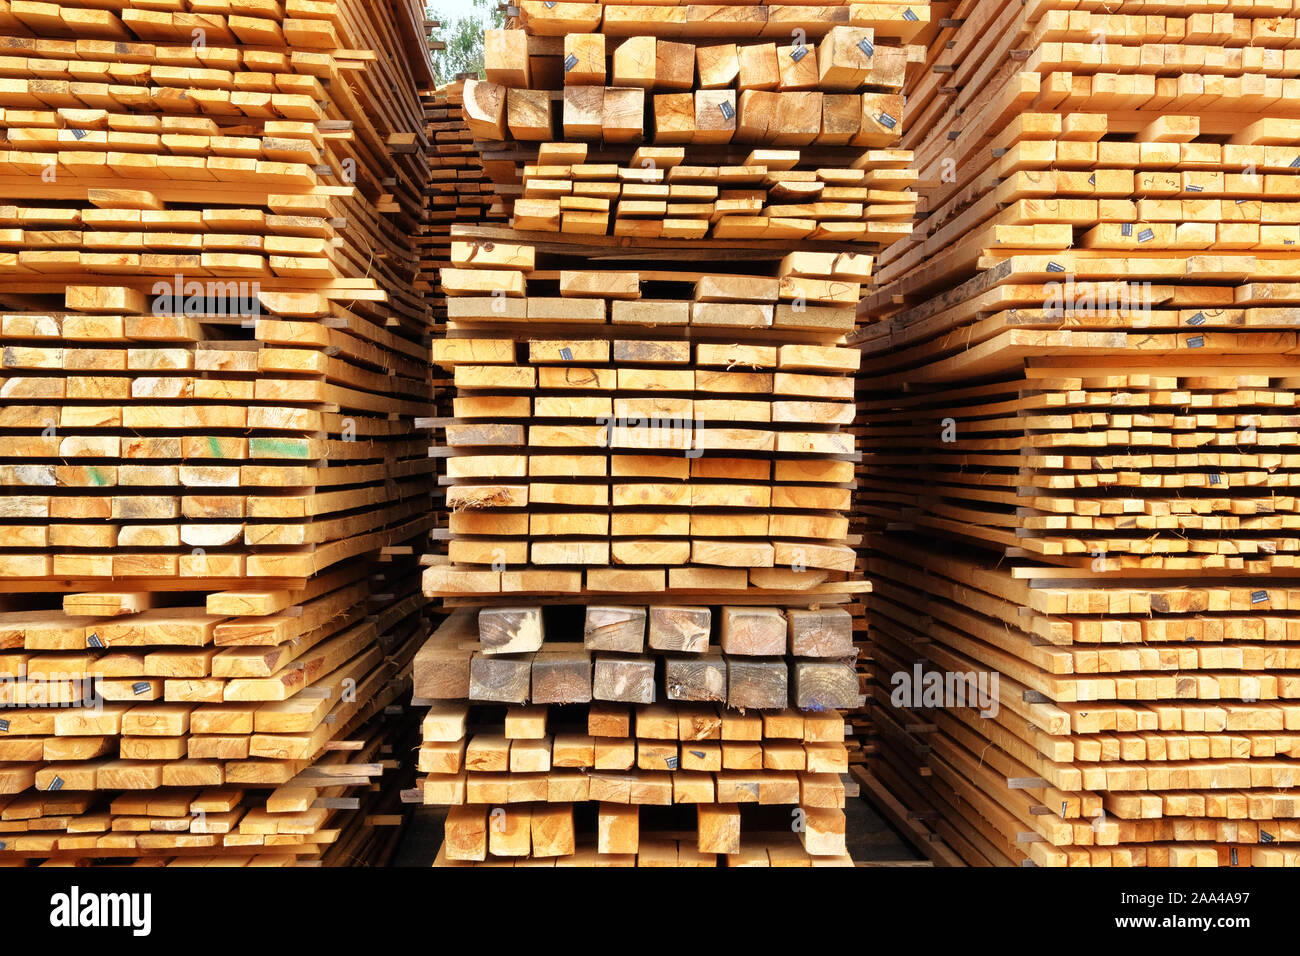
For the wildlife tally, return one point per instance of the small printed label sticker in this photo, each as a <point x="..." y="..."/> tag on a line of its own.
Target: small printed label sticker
<point x="697" y="754"/>
<point x="887" y="121"/>
<point x="1295" y="163"/>
<point x="671" y="762"/>
<point x="1146" y="235"/>
<point x="1092" y="180"/>
<point x="798" y="53"/>
<point x="4" y="726"/>
<point x="1193" y="188"/>
<point x="79" y="134"/>
<point x="1240" y="201"/>
<point x="570" y="62"/>
<point x="550" y="4"/>
<point x="1258" y="597"/>
<point x="1233" y="854"/>
<point x="566" y="353"/>
<point x="1265" y="836"/>
<point x="1215" y="479"/>
<point x="909" y="15"/>
<point x="1126" y="229"/>
<point x="727" y="109"/>
<point x="1196" y="341"/>
<point x="1055" y="267"/>
<point x="140" y="687"/>
<point x="1064" y="804"/>
<point x="94" y="641"/>
<point x="56" y="784"/>
<point x="865" y="46"/>
<point x="1197" y="319"/>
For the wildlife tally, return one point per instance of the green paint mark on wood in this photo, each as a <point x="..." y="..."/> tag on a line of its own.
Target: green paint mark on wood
<point x="277" y="448"/>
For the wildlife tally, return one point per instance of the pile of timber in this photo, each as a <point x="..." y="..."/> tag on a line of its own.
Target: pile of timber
<point x="1083" y="367"/>
<point x="458" y="191"/>
<point x="763" y="198"/>
<point x="527" y="734"/>
<point x="212" y="359"/>
<point x="650" y="433"/>
<point x="720" y="80"/>
<point x="615" y="442"/>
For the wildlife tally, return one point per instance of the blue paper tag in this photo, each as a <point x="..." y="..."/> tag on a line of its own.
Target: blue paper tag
<point x="865" y="46"/>
<point x="727" y="109"/>
<point x="1258" y="597"/>
<point x="570" y="62"/>
<point x="94" y="641"/>
<point x="1196" y="341"/>
<point x="1197" y="319"/>
<point x="140" y="687"/>
<point x="1146" y="235"/>
<point x="798" y="53"/>
<point x="887" y="121"/>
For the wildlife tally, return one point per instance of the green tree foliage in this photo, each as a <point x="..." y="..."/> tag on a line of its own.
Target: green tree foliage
<point x="463" y="37"/>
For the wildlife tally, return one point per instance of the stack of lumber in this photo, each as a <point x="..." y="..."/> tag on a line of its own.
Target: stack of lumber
<point x="719" y="79"/>
<point x="679" y="454"/>
<point x="762" y="657"/>
<point x="1083" y="366"/>
<point x="526" y="734"/>
<point x="764" y="197"/>
<point x="458" y="191"/>
<point x="211" y="362"/>
<point x="188" y="820"/>
<point x="649" y="443"/>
